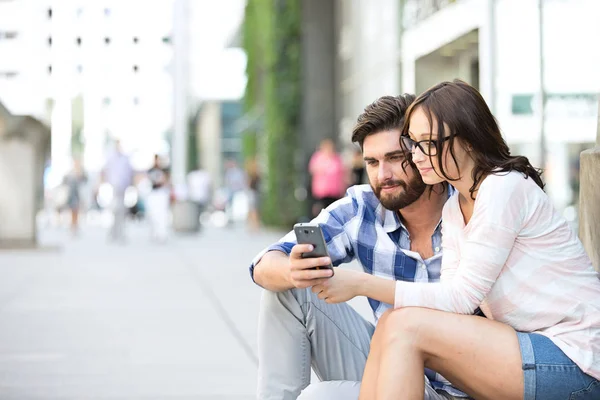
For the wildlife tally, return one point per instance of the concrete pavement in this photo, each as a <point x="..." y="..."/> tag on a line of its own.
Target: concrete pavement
<point x="141" y="321"/>
<point x="95" y="320"/>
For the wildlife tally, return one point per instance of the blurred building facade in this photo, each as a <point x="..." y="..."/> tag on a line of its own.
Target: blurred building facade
<point x="218" y="136"/>
<point x="96" y="70"/>
<point x="389" y="47"/>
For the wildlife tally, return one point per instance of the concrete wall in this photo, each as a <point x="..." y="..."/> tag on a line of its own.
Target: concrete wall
<point x="19" y="177"/>
<point x="589" y="209"/>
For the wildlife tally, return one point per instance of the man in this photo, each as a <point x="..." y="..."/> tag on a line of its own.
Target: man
<point x="158" y="200"/>
<point x="392" y="227"/>
<point x="118" y="173"/>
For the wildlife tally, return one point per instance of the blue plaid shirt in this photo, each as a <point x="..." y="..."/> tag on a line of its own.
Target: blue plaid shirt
<point x="359" y="227"/>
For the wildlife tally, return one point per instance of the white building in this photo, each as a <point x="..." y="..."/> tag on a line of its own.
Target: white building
<point x="390" y="47"/>
<point x="99" y="70"/>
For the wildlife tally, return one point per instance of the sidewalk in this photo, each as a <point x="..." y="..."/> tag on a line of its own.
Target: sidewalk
<point x="141" y="321"/>
<point x="94" y="320"/>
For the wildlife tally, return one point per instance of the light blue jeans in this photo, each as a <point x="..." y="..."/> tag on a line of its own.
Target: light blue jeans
<point x="550" y="375"/>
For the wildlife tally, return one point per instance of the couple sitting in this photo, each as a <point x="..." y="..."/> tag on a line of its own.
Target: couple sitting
<point x="506" y="251"/>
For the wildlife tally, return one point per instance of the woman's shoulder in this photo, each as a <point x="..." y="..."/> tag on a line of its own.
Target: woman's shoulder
<point x="509" y="183"/>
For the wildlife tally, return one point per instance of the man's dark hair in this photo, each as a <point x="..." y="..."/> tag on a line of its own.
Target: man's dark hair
<point x="384" y="114"/>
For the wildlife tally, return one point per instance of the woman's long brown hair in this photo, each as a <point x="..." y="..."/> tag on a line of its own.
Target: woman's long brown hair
<point x="460" y="110"/>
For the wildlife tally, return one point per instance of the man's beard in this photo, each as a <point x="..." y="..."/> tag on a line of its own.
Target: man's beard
<point x="410" y="193"/>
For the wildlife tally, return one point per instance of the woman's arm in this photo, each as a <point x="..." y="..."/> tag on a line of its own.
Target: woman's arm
<point x="488" y="241"/>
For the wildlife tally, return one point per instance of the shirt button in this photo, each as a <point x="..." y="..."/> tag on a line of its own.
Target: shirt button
<point x="437" y="249"/>
<point x="422" y="266"/>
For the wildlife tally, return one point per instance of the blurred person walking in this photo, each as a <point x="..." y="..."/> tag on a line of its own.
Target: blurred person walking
<point x="74" y="182"/>
<point x="158" y="200"/>
<point x="357" y="176"/>
<point x="199" y="184"/>
<point x="253" y="194"/>
<point x="327" y="170"/>
<point x="235" y="184"/>
<point x="118" y="173"/>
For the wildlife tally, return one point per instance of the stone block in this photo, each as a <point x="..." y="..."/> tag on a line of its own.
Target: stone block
<point x="589" y="207"/>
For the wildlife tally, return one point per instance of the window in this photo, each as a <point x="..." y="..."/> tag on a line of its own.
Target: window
<point x="49" y="69"/>
<point x="49" y="40"/>
<point x="107" y="40"/>
<point x="9" y="35"/>
<point x="135" y="40"/>
<point x="9" y="74"/>
<point x="78" y="41"/>
<point x="49" y="13"/>
<point x="136" y="68"/>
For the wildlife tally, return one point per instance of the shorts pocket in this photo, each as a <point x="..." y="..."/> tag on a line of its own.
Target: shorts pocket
<point x="591" y="392"/>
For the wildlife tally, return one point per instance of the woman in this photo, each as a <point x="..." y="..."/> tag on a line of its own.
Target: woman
<point x="74" y="182"/>
<point x="507" y="251"/>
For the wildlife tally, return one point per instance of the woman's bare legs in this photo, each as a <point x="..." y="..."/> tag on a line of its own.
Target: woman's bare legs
<point x="369" y="380"/>
<point x="478" y="355"/>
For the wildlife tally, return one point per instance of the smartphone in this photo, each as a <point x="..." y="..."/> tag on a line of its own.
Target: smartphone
<point x="311" y="233"/>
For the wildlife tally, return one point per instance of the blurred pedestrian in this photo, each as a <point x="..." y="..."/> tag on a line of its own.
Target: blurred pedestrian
<point x="158" y="201"/>
<point x="328" y="181"/>
<point x="74" y="182"/>
<point x="253" y="194"/>
<point x="199" y="184"/>
<point x="118" y="173"/>
<point x="357" y="176"/>
<point x="235" y="184"/>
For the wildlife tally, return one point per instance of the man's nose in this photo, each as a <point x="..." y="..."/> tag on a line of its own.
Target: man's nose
<point x="384" y="173"/>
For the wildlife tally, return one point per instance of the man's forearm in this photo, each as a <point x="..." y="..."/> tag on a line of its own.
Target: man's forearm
<point x="377" y="288"/>
<point x="272" y="272"/>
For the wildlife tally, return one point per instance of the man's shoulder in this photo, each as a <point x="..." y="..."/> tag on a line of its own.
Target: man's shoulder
<point x="359" y="200"/>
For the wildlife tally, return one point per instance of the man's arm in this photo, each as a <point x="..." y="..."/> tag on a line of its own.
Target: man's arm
<point x="271" y="272"/>
<point x="278" y="272"/>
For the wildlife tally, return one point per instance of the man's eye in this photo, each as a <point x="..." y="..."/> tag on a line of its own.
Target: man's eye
<point x="396" y="158"/>
<point x="371" y="162"/>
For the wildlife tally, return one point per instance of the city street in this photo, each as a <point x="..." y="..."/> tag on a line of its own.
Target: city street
<point x="84" y="319"/>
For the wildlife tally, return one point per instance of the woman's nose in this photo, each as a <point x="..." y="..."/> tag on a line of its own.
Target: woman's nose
<point x="418" y="155"/>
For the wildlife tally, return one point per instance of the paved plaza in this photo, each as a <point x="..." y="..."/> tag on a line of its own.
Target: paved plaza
<point x="85" y="319"/>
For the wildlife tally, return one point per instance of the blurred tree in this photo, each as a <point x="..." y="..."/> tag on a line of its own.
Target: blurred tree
<point x="272" y="40"/>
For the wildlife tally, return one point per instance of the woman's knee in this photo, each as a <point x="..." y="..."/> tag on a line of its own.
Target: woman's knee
<point x="409" y="325"/>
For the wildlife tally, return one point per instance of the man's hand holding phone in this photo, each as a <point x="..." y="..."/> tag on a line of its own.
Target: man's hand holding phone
<point x="302" y="272"/>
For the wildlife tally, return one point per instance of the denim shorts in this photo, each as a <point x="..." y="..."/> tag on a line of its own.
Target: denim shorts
<point x="550" y="375"/>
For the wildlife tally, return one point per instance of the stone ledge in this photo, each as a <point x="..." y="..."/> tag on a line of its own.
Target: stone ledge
<point x="26" y="245"/>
